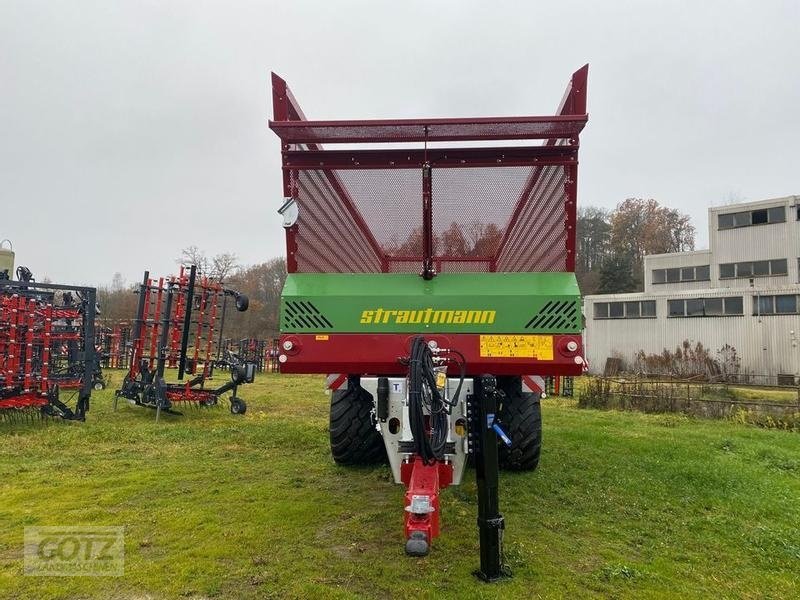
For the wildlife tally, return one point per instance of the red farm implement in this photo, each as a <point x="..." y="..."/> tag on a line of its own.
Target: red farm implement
<point x="431" y="277"/>
<point x="113" y="342"/>
<point x="46" y="346"/>
<point x="176" y="327"/>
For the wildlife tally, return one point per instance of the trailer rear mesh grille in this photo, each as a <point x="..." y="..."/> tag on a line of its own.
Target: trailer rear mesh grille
<point x="303" y="315"/>
<point x="504" y="218"/>
<point x="556" y="316"/>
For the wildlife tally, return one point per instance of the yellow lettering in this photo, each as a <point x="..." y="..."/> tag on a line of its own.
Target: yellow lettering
<point x="429" y="315"/>
<point x="474" y="316"/>
<point x="443" y="316"/>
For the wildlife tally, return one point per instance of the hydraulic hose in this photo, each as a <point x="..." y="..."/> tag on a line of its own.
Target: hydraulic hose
<point x="423" y="393"/>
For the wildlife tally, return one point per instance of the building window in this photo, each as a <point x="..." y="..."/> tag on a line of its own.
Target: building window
<point x="644" y="309"/>
<point x="782" y="304"/>
<point x="699" y="273"/>
<point x="677" y="308"/>
<point x="762" y="216"/>
<point x="734" y="305"/>
<point x="713" y="307"/>
<point x="706" y="307"/>
<point x="727" y="271"/>
<point x="779" y="266"/>
<point x="758" y="268"/>
<point x="777" y="214"/>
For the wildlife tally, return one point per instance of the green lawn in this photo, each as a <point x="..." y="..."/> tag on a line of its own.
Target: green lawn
<point x="214" y="505"/>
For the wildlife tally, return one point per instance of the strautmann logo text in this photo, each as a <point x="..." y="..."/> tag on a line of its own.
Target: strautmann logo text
<point x="427" y="315"/>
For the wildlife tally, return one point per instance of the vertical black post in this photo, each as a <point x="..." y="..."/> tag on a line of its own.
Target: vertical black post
<point x="138" y="324"/>
<point x="490" y="522"/>
<point x="222" y="325"/>
<point x="187" y="322"/>
<point x="89" y="352"/>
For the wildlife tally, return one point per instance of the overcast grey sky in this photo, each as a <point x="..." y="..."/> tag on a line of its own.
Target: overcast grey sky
<point x="131" y="129"/>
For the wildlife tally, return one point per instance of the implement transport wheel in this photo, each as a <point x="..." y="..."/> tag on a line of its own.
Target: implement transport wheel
<point x="238" y="406"/>
<point x="354" y="439"/>
<point x="520" y="415"/>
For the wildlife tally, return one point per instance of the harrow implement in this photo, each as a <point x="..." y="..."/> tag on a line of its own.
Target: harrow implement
<point x="46" y="335"/>
<point x="171" y="313"/>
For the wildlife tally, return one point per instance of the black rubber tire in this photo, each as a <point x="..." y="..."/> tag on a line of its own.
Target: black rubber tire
<point x="354" y="439"/>
<point x="520" y="414"/>
<point x="238" y="406"/>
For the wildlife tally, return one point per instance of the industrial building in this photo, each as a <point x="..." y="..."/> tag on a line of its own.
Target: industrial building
<point x="742" y="293"/>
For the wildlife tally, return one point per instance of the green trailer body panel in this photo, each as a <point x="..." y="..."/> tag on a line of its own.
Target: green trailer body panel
<point x="450" y="302"/>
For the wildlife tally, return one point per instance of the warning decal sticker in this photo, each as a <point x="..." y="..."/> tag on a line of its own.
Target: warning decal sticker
<point x="539" y="347"/>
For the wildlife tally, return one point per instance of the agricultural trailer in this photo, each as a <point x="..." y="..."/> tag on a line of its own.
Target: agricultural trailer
<point x="431" y="278"/>
<point x="176" y="327"/>
<point x="46" y="346"/>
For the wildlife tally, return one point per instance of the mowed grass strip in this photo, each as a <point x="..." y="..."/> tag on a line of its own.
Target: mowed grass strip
<point x="217" y="505"/>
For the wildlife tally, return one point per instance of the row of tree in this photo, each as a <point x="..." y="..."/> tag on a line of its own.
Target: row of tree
<point x="612" y="243"/>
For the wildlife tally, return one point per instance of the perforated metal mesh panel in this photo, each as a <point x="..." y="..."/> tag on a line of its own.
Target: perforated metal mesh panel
<point x="390" y="200"/>
<point x="484" y="219"/>
<point x="329" y="238"/>
<point x="432" y="130"/>
<point x="536" y="240"/>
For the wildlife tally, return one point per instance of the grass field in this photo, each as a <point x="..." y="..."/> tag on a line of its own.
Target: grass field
<point x="215" y="505"/>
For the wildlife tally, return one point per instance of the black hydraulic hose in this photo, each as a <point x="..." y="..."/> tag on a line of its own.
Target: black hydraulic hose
<point x="423" y="392"/>
<point x="415" y="402"/>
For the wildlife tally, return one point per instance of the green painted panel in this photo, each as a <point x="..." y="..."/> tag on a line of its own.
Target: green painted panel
<point x="450" y="302"/>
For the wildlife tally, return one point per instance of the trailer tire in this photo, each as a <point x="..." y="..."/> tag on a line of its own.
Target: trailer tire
<point x="354" y="438"/>
<point x="520" y="415"/>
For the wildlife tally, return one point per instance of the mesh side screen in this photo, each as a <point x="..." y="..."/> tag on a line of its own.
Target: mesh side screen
<point x="328" y="238"/>
<point x="405" y="266"/>
<point x="472" y="208"/>
<point x="462" y="266"/>
<point x="390" y="200"/>
<point x="537" y="241"/>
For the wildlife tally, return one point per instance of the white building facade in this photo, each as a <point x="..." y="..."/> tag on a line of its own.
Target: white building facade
<point x="743" y="292"/>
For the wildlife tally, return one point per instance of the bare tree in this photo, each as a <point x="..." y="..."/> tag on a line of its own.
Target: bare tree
<point x="219" y="267"/>
<point x="223" y="265"/>
<point x="192" y="255"/>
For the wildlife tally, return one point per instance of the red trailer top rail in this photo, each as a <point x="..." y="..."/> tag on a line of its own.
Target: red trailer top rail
<point x="431" y="130"/>
<point x="508" y="208"/>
